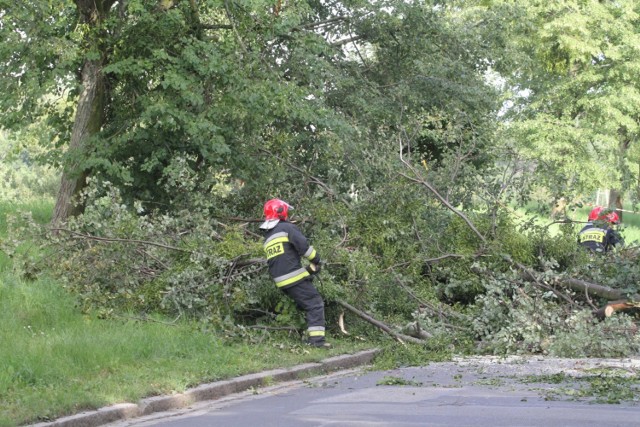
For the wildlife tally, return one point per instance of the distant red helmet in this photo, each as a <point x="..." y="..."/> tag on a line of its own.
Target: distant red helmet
<point x="275" y="210"/>
<point x="601" y="214"/>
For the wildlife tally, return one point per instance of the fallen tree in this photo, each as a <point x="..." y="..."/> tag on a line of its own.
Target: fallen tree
<point x="619" y="300"/>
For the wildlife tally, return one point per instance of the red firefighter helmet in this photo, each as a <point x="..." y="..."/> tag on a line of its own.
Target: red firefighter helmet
<point x="601" y="214"/>
<point x="275" y="210"/>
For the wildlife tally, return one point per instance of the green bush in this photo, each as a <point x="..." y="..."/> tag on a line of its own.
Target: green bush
<point x="23" y="177"/>
<point x="188" y="260"/>
<point x="119" y="257"/>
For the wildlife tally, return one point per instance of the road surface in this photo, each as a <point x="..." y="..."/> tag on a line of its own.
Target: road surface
<point x="486" y="392"/>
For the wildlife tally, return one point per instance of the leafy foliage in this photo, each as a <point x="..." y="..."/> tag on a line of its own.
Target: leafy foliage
<point x="573" y="111"/>
<point x="380" y="122"/>
<point x="24" y="176"/>
<point x="180" y="264"/>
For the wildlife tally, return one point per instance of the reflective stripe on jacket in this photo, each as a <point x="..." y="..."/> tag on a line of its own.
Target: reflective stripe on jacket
<point x="284" y="246"/>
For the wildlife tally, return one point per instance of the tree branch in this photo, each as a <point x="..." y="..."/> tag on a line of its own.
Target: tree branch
<point x="303" y="172"/>
<point x="596" y="289"/>
<point x="346" y="41"/>
<point x="314" y="25"/>
<point x="435" y="310"/>
<point x="113" y="239"/>
<point x="274" y="328"/>
<point x="216" y="27"/>
<point x="442" y="200"/>
<point x="378" y="324"/>
<point x="440" y="258"/>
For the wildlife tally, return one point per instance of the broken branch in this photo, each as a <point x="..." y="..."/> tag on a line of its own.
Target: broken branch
<point x="378" y="324"/>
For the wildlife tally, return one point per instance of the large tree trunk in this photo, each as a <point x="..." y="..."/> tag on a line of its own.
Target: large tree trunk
<point x="88" y="121"/>
<point x="89" y="115"/>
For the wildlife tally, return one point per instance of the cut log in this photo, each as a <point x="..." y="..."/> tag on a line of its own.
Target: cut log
<point x="614" y="295"/>
<point x="614" y="306"/>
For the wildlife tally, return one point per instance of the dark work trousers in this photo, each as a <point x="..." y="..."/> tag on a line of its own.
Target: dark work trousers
<point x="308" y="299"/>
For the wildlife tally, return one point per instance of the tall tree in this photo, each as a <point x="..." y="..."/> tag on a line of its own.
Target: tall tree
<point x="89" y="114"/>
<point x="576" y="92"/>
<point x="152" y="79"/>
<point x="271" y="94"/>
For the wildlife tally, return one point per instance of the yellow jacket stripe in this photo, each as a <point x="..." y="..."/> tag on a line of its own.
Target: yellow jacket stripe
<point x="274" y="241"/>
<point x="292" y="277"/>
<point x="316" y="331"/>
<point x="310" y="254"/>
<point x="276" y="237"/>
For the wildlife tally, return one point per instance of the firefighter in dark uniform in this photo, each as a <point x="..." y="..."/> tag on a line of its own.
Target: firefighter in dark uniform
<point x="285" y="246"/>
<point x="598" y="234"/>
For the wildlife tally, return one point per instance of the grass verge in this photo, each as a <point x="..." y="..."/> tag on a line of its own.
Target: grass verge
<point x="59" y="361"/>
<point x="56" y="361"/>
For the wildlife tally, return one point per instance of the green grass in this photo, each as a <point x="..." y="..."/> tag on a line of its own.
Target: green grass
<point x="56" y="361"/>
<point x="40" y="210"/>
<point x="59" y="361"/>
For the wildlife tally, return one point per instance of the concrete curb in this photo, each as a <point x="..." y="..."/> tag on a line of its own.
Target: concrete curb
<point x="211" y="391"/>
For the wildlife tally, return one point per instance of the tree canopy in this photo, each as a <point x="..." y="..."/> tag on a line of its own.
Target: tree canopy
<point x="404" y="133"/>
<point x="575" y="97"/>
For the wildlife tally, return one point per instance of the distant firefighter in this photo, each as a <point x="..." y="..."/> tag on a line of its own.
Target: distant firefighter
<point x="598" y="235"/>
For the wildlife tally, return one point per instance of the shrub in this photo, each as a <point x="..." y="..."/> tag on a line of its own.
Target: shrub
<point x="22" y="177"/>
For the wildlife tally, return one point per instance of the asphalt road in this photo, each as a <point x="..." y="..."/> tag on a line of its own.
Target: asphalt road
<point x="481" y="392"/>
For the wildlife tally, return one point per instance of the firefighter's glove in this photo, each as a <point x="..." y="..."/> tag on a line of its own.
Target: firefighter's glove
<point x="313" y="269"/>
